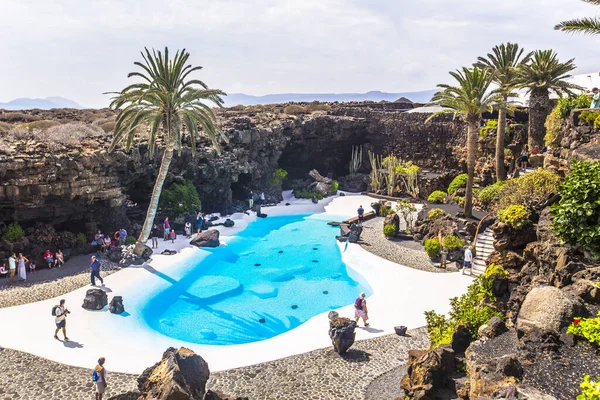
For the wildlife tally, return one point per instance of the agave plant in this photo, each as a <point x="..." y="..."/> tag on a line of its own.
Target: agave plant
<point x="470" y="98"/>
<point x="168" y="105"/>
<point x="590" y="26"/>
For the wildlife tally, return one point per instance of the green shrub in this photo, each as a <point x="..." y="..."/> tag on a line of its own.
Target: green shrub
<point x="179" y="199"/>
<point x="334" y="186"/>
<point x="515" y="216"/>
<point x="13" y="232"/>
<point x="82" y="240"/>
<point x="460" y="200"/>
<point x="108" y="126"/>
<point x="576" y="216"/>
<point x="307" y="194"/>
<point x="294" y="109"/>
<point x="490" y="125"/>
<point x="17" y="117"/>
<point x="384" y="211"/>
<point x="459" y="182"/>
<point x="41" y="125"/>
<point x="590" y="390"/>
<point x="589" y="117"/>
<point x="433" y="247"/>
<point x="390" y="230"/>
<point x="317" y="106"/>
<point x="129" y="240"/>
<point x="435" y="213"/>
<point x="566" y="104"/>
<point x="490" y="193"/>
<point x="453" y="243"/>
<point x="492" y="272"/>
<point x="528" y="190"/>
<point x="467" y="310"/>
<point x="553" y="125"/>
<point x="278" y="177"/>
<point x="238" y="107"/>
<point x="437" y="197"/>
<point x="588" y="328"/>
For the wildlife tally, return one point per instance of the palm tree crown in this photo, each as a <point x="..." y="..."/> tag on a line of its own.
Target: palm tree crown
<point x="471" y="96"/>
<point x="503" y="61"/>
<point x="165" y="99"/>
<point x="590" y="26"/>
<point x="545" y="71"/>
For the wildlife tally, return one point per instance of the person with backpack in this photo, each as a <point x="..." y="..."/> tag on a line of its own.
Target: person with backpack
<point x="99" y="378"/>
<point x="360" y="309"/>
<point x="60" y="319"/>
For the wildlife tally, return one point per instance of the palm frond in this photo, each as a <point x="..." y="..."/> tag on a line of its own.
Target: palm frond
<point x="587" y="26"/>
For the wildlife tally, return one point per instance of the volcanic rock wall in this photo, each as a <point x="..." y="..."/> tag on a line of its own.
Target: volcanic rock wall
<point x="78" y="183"/>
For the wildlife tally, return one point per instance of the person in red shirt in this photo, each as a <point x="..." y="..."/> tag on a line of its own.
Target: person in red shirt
<point x="536" y="150"/>
<point x="49" y="257"/>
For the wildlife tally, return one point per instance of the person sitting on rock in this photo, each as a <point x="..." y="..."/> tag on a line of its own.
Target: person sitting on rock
<point x="59" y="260"/>
<point x="360" y="309"/>
<point x="98" y="239"/>
<point x="3" y="270"/>
<point x="49" y="257"/>
<point x="106" y="243"/>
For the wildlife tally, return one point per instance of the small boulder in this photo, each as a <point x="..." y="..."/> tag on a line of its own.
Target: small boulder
<point x="548" y="308"/>
<point x="588" y="291"/>
<point x="341" y="332"/>
<point x="116" y="305"/>
<point x="509" y="366"/>
<point x="461" y="339"/>
<point x="494" y="327"/>
<point x="228" y="223"/>
<point x="180" y="374"/>
<point x="95" y="299"/>
<point x="209" y="238"/>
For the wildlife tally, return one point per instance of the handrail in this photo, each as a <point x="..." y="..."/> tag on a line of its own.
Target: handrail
<point x="477" y="231"/>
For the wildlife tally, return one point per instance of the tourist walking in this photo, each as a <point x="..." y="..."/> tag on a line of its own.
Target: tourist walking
<point x="524" y="158"/>
<point x="95" y="267"/>
<point x="468" y="263"/>
<point x="188" y="229"/>
<point x="262" y="198"/>
<point x="22" y="268"/>
<point x="360" y="309"/>
<point x="199" y="222"/>
<point x="60" y="313"/>
<point x="122" y="236"/>
<point x="99" y="378"/>
<point x="155" y="234"/>
<point x="361" y="213"/>
<point x="59" y="259"/>
<point x="12" y="267"/>
<point x="251" y="199"/>
<point x="167" y="228"/>
<point x="49" y="257"/>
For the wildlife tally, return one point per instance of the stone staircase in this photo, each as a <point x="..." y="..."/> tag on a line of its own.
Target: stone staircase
<point x="483" y="248"/>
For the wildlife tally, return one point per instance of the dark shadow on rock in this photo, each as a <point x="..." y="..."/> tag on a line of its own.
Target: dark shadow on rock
<point x="356" y="356"/>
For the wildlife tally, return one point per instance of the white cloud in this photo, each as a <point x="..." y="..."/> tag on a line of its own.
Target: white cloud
<point x="79" y="49"/>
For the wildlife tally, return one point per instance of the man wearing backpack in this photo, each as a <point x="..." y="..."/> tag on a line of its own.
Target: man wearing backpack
<point x="360" y="309"/>
<point x="99" y="378"/>
<point x="60" y="315"/>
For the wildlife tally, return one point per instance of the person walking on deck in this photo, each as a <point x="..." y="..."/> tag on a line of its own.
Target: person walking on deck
<point x="60" y="319"/>
<point x="468" y="264"/>
<point x="95" y="267"/>
<point x="360" y="309"/>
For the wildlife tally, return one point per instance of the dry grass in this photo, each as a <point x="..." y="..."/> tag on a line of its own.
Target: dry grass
<point x="318" y="106"/>
<point x="108" y="126"/>
<point x="17" y="117"/>
<point x="294" y="109"/>
<point x="18" y="133"/>
<point x="70" y="134"/>
<point x="5" y="127"/>
<point x="41" y="125"/>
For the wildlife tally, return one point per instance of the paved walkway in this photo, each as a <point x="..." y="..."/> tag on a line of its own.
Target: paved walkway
<point x="319" y="374"/>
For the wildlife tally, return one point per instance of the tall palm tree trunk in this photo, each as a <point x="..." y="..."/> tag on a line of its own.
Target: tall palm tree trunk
<point x="500" y="138"/>
<point x="151" y="213"/>
<point x="539" y="108"/>
<point x="472" y="137"/>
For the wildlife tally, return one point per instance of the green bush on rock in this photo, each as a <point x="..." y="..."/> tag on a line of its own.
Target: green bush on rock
<point x="460" y="200"/>
<point x="13" y="232"/>
<point x="453" y="243"/>
<point x="576" y="217"/>
<point x="433" y="247"/>
<point x="459" y="182"/>
<point x="278" y="177"/>
<point x="492" y="272"/>
<point x="528" y="190"/>
<point x="590" y="390"/>
<point x="307" y="194"/>
<point x="515" y="216"/>
<point x="334" y="186"/>
<point x="390" y="230"/>
<point x="81" y="240"/>
<point x="588" y="328"/>
<point x="437" y="197"/>
<point x="435" y="213"/>
<point x="490" y="125"/>
<point x="129" y="240"/>
<point x="180" y="198"/>
<point x="490" y="193"/>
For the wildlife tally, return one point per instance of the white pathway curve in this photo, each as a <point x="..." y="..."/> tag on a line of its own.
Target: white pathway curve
<point x="400" y="296"/>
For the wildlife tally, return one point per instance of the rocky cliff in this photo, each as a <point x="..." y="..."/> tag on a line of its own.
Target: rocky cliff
<point x="66" y="184"/>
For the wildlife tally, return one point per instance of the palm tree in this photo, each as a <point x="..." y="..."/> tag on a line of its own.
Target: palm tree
<point x="544" y="73"/>
<point x="163" y="103"/>
<point x="590" y="26"/>
<point x="503" y="62"/>
<point x="470" y="98"/>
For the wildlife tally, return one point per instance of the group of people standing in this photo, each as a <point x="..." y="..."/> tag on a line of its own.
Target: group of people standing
<point x="17" y="265"/>
<point x="261" y="199"/>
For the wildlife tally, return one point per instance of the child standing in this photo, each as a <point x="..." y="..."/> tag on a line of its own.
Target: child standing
<point x="172" y="235"/>
<point x="32" y="267"/>
<point x="188" y="229"/>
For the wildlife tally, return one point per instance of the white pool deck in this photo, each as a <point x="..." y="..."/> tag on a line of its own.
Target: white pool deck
<point x="400" y="296"/>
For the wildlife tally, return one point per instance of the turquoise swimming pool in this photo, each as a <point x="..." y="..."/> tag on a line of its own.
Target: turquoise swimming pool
<point x="273" y="276"/>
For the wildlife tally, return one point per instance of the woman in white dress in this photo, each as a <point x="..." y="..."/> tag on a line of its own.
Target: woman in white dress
<point x="21" y="267"/>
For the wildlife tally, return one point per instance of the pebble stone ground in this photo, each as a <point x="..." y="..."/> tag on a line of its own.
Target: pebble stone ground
<point x="319" y="374"/>
<point x="403" y="252"/>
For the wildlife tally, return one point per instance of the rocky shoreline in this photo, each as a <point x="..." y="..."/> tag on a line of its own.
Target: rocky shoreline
<point x="319" y="374"/>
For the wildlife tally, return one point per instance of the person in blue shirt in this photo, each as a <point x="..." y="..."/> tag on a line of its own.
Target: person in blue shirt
<point x="122" y="236"/>
<point x="595" y="95"/>
<point x="95" y="266"/>
<point x="361" y="212"/>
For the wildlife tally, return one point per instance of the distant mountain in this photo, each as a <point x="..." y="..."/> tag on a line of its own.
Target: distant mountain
<point x="234" y="99"/>
<point x="48" y="103"/>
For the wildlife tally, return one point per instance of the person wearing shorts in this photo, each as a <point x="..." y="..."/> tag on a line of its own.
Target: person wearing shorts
<point x="101" y="381"/>
<point x="12" y="267"/>
<point x="60" y="319"/>
<point x="361" y="214"/>
<point x="468" y="264"/>
<point x="360" y="309"/>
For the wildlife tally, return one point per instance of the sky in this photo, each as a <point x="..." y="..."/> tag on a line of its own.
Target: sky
<point x="82" y="49"/>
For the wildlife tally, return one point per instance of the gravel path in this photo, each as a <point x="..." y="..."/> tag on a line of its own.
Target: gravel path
<point x="404" y="252"/>
<point x="387" y="386"/>
<point x="319" y="374"/>
<point x="48" y="283"/>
